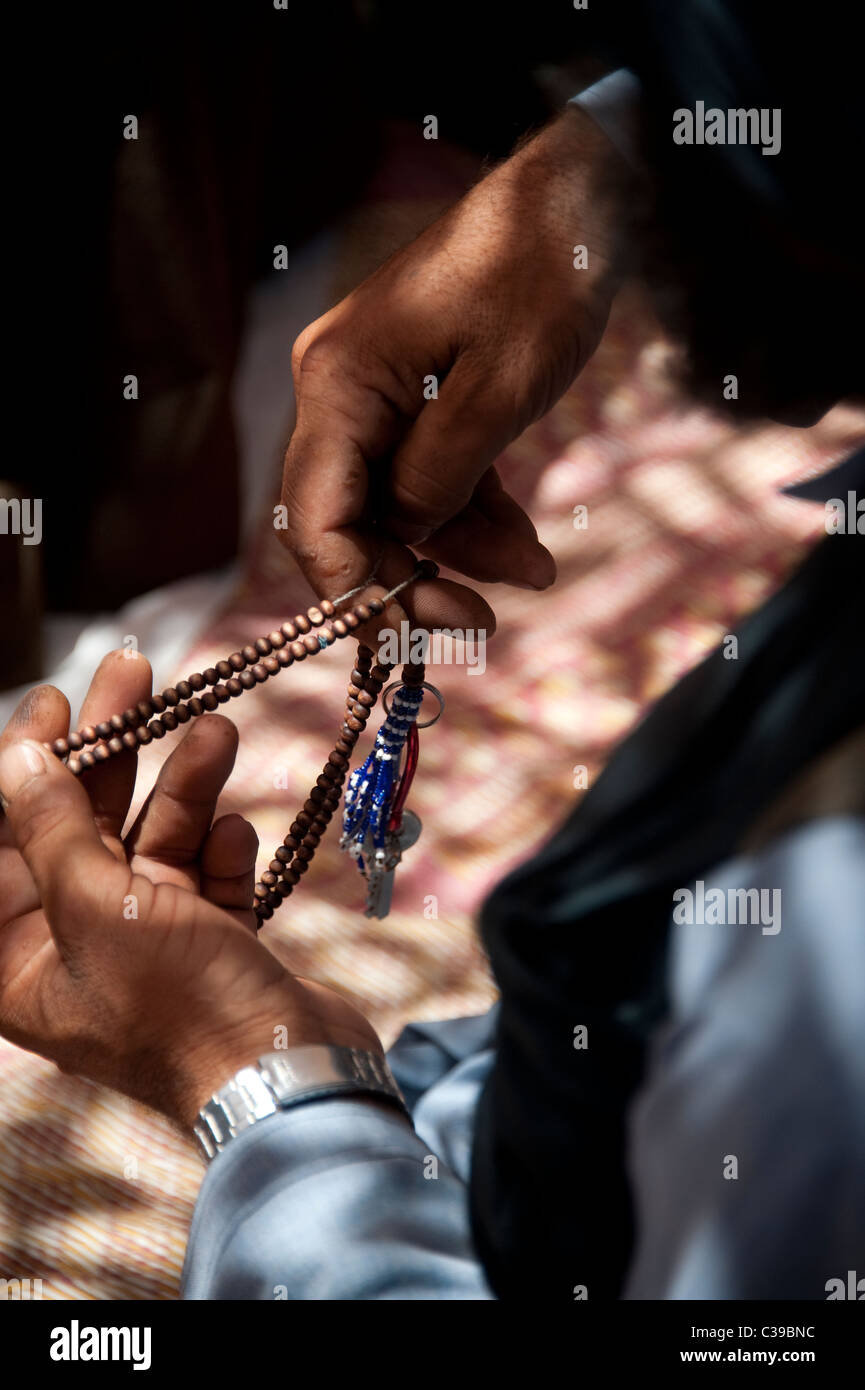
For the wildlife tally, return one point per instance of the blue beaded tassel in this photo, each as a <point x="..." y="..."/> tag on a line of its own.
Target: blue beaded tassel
<point x="371" y="787"/>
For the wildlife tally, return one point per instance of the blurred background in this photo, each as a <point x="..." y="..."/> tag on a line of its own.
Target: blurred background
<point x="295" y="138"/>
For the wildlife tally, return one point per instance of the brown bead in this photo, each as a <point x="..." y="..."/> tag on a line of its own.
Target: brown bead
<point x="323" y="820"/>
<point x="101" y="754"/>
<point x="271" y="665"/>
<point x="345" y="746"/>
<point x="339" y="627"/>
<point x="366" y="699"/>
<point x="365" y="655"/>
<point x="273" y="899"/>
<point x="115" y="744"/>
<point x="183" y="714"/>
<point x="301" y="866"/>
<point x="157" y="728"/>
<point x="262" y="646"/>
<point x="311" y="643"/>
<point x="74" y="766"/>
<point x="132" y="717"/>
<point x="247" y="680"/>
<point x="301" y="622"/>
<point x="361" y="613"/>
<point x="251" y="654"/>
<point x="291" y="842"/>
<point x="143" y="734"/>
<point x="209" y="701"/>
<point x="171" y="697"/>
<point x="311" y="807"/>
<point x="356" y="725"/>
<point x="184" y="689"/>
<point x="259" y="672"/>
<point x="375" y="607"/>
<point x="130" y="739"/>
<point x="211" y="676"/>
<point x="289" y="631"/>
<point x="311" y="841"/>
<point x="60" y="747"/>
<point x="284" y="656"/>
<point x="338" y="758"/>
<point x="158" y="704"/>
<point x="263" y="912"/>
<point x="315" y="615"/>
<point x="89" y="734"/>
<point x="429" y="569"/>
<point x="327" y="635"/>
<point x="169" y="719"/>
<point x="87" y="760"/>
<point x="283" y="888"/>
<point x="380" y="673"/>
<point x="282" y="855"/>
<point x="291" y="876"/>
<point x="354" y="691"/>
<point x="118" y="723"/>
<point x="260" y="891"/>
<point x="196" y="680"/>
<point x="195" y="706"/>
<point x="276" y="639"/>
<point x="222" y="695"/>
<point x="351" y="621"/>
<point x="316" y="795"/>
<point x="323" y="782"/>
<point x="145" y="709"/>
<point x="269" y="878"/>
<point x="301" y="819"/>
<point x="327" y="608"/>
<point x="298" y="651"/>
<point x="275" y="868"/>
<point x="224" y="669"/>
<point x="234" y="687"/>
<point x="304" y="855"/>
<point x="236" y="661"/>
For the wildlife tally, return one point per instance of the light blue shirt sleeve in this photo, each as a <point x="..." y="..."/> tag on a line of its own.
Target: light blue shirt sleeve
<point x="332" y="1200"/>
<point x="747" y="1149"/>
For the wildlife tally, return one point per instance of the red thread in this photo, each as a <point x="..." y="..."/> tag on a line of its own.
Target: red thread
<point x="412" y="748"/>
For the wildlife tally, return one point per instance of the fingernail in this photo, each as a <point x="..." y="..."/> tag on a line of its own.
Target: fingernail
<point x="408" y="533"/>
<point x="19" y="764"/>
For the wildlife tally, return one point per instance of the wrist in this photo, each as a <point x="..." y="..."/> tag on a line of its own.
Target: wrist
<point x="310" y="1015"/>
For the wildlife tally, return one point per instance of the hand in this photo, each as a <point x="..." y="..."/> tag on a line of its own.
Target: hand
<point x="486" y="300"/>
<point x="134" y="960"/>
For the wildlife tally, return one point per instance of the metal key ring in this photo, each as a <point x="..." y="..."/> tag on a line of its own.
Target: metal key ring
<point x="424" y="685"/>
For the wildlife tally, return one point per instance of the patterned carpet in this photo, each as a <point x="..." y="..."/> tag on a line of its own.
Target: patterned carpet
<point x="686" y="533"/>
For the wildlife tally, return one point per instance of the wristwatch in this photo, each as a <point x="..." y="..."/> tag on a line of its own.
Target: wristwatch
<point x="279" y="1080"/>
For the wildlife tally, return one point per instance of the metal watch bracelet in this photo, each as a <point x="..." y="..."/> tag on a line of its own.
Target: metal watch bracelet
<point x="279" y="1080"/>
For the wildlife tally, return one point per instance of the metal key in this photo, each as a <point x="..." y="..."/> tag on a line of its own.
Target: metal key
<point x="380" y="878"/>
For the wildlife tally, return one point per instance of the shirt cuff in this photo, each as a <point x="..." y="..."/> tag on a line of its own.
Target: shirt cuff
<point x="331" y="1200"/>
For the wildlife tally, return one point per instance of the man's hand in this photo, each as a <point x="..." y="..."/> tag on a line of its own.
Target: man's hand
<point x="488" y="302"/>
<point x="134" y="961"/>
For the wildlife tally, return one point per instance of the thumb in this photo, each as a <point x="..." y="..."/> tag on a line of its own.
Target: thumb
<point x="51" y="819"/>
<point x="441" y="476"/>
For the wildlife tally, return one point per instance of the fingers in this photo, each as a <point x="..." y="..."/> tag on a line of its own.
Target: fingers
<point x="492" y="539"/>
<point x="52" y="821"/>
<point x="121" y="679"/>
<point x="43" y="715"/>
<point x="445" y="494"/>
<point x="228" y="864"/>
<point x="176" y="817"/>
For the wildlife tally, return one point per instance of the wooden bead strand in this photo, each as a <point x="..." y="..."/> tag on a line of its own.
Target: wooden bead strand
<point x="293" y="857"/>
<point x="305" y="635"/>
